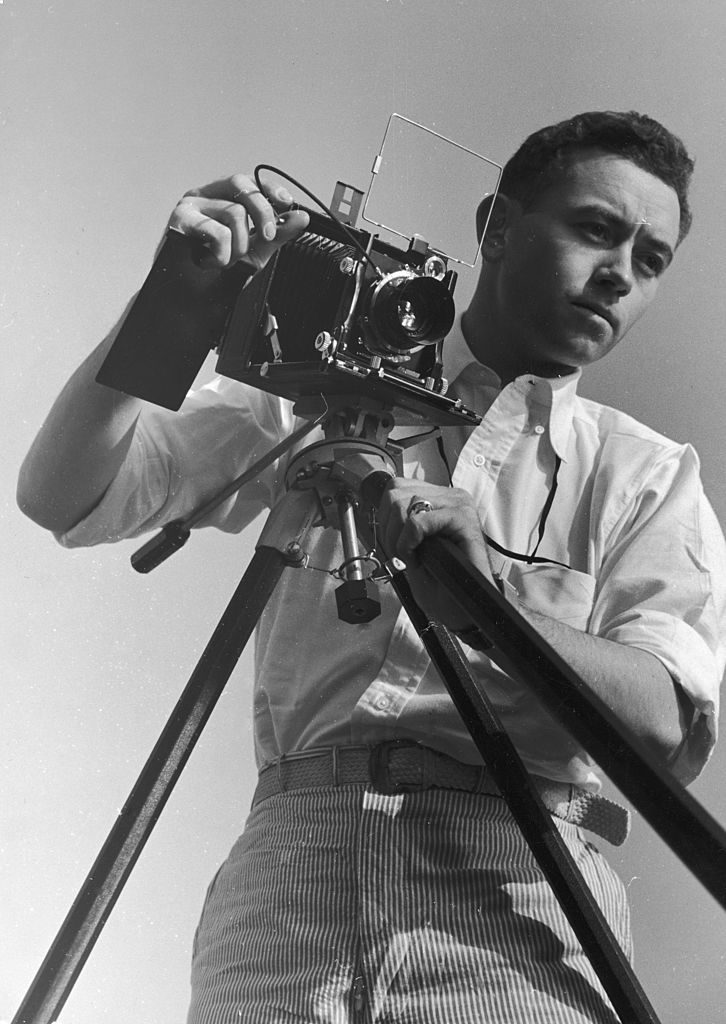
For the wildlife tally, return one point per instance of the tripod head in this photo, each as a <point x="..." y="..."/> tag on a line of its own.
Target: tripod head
<point x="343" y="476"/>
<point x="348" y="471"/>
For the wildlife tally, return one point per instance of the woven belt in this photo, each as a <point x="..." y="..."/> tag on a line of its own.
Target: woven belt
<point x="403" y="766"/>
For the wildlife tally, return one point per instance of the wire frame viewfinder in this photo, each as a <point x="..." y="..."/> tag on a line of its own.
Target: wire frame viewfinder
<point x="425" y="184"/>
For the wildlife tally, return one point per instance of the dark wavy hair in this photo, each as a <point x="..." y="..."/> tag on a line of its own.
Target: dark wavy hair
<point x="634" y="136"/>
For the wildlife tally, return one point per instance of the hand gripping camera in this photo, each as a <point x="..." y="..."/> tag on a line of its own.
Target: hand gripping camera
<point x="339" y="311"/>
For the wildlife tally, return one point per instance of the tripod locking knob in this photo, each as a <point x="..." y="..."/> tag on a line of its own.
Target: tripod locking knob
<point x="357" y="601"/>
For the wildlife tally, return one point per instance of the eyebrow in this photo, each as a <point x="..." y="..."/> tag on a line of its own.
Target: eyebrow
<point x="604" y="212"/>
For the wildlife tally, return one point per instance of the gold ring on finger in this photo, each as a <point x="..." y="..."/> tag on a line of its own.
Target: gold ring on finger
<point x="246" y="192"/>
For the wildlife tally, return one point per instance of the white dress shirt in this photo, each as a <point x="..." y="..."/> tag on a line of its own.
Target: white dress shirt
<point x="646" y="565"/>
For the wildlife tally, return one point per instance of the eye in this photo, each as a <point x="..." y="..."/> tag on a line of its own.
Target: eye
<point x="596" y="230"/>
<point x="652" y="263"/>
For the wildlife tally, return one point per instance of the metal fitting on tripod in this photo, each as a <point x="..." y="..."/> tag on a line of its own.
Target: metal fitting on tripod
<point x="356" y="597"/>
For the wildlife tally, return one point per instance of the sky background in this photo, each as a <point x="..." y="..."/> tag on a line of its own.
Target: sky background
<point x="110" y="111"/>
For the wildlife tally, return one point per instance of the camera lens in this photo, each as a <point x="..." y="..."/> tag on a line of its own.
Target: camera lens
<point x="406" y="312"/>
<point x="407" y="315"/>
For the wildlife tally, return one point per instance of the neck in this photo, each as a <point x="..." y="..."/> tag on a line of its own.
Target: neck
<point x="491" y="341"/>
<point x="488" y="341"/>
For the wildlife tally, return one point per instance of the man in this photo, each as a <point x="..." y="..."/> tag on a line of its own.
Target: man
<point x="344" y="903"/>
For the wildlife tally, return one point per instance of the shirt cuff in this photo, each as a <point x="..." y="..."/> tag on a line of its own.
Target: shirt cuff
<point x="130" y="505"/>
<point x="693" y="666"/>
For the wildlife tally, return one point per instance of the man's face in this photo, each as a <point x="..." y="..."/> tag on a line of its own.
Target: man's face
<point x="583" y="263"/>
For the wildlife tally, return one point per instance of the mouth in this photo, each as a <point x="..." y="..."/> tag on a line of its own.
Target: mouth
<point x="601" y="311"/>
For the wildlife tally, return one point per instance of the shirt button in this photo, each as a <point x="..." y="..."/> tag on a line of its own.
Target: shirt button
<point x="478" y="460"/>
<point x="383" y="702"/>
<point x="539" y="429"/>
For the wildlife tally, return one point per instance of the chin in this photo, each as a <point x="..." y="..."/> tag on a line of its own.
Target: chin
<point x="580" y="352"/>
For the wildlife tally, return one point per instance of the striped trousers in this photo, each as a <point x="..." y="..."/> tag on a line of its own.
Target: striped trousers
<point x="345" y="906"/>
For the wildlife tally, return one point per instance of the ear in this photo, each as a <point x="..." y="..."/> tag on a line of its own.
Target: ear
<point x="492" y="219"/>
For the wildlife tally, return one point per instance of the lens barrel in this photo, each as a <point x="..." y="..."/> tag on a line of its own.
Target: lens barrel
<point x="406" y="311"/>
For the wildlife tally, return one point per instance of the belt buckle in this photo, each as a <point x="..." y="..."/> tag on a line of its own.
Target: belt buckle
<point x="379" y="769"/>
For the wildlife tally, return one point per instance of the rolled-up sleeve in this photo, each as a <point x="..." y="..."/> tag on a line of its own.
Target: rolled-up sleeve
<point x="178" y="461"/>
<point x="662" y="588"/>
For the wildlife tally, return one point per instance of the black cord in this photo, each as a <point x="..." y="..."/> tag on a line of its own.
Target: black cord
<point x="311" y="195"/>
<point x="546" y="510"/>
<point x="533" y="558"/>
<point x="442" y="453"/>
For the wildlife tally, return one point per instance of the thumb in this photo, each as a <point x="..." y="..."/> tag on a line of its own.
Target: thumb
<point x="288" y="226"/>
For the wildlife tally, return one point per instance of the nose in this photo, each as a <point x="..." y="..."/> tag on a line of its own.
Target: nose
<point x="615" y="271"/>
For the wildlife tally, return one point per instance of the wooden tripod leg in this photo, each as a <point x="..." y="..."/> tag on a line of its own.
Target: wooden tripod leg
<point x="83" y="924"/>
<point x="534" y="821"/>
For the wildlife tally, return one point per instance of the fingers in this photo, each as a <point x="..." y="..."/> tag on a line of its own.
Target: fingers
<point x="452" y="514"/>
<point x="236" y="221"/>
<point x="221" y="226"/>
<point x="412" y="510"/>
<point x="288" y="227"/>
<point x="393" y="510"/>
<point x="457" y="524"/>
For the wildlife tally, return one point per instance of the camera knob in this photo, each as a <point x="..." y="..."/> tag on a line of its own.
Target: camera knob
<point x="324" y="342"/>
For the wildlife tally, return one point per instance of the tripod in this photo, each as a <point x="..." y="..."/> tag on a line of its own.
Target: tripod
<point x="338" y="482"/>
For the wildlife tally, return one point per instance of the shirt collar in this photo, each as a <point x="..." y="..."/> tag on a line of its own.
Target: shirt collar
<point x="557" y="394"/>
